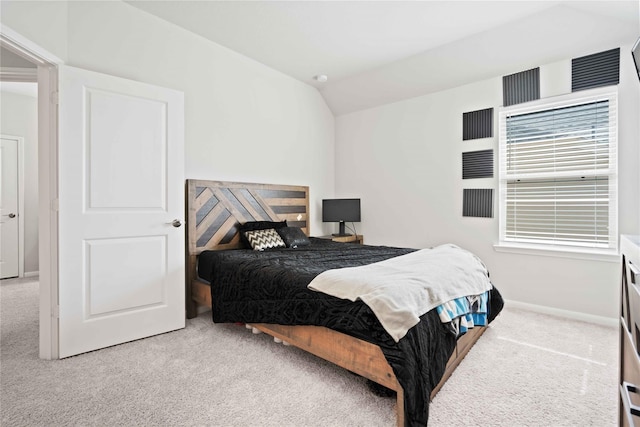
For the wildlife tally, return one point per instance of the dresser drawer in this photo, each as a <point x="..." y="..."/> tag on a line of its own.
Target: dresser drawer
<point x="629" y="374"/>
<point x="631" y="299"/>
<point x="630" y="369"/>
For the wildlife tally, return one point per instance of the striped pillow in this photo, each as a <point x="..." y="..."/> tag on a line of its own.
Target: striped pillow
<point x="264" y="239"/>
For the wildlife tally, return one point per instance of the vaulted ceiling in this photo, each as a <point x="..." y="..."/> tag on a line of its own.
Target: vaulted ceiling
<point x="377" y="52"/>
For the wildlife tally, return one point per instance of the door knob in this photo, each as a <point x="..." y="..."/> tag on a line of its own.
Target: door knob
<point x="176" y="223"/>
<point x="12" y="215"/>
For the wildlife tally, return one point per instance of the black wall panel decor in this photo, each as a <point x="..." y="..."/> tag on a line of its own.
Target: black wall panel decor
<point x="521" y="87"/>
<point x="599" y="69"/>
<point x="477" y="202"/>
<point x="477" y="124"/>
<point x="477" y="164"/>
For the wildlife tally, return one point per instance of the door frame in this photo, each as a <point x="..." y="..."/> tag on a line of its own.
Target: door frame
<point x="20" y="152"/>
<point x="47" y="79"/>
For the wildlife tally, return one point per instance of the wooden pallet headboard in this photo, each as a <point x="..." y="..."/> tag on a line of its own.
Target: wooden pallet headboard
<point x="215" y="209"/>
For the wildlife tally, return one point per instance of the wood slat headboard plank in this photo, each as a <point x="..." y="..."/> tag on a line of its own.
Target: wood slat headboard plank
<point x="209" y="219"/>
<point x="239" y="216"/>
<point x="232" y="235"/>
<point x="245" y="203"/>
<point x="202" y="198"/>
<point x="285" y="202"/>
<point x="217" y="239"/>
<point x="293" y="217"/>
<point x="272" y="216"/>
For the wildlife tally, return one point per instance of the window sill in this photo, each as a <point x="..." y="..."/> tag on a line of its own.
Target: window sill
<point x="605" y="255"/>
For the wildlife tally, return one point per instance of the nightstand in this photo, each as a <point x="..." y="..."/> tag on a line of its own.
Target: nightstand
<point x="345" y="239"/>
<point x="629" y="366"/>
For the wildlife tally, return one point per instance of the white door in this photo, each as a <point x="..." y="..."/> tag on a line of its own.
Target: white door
<point x="121" y="184"/>
<point x="9" y="266"/>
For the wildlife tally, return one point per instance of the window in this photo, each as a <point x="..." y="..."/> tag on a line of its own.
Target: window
<point x="558" y="172"/>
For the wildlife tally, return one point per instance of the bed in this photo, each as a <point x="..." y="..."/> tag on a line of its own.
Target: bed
<point x="215" y="211"/>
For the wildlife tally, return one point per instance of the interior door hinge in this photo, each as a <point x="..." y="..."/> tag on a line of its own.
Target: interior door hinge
<point x="56" y="312"/>
<point x="55" y="97"/>
<point x="55" y="205"/>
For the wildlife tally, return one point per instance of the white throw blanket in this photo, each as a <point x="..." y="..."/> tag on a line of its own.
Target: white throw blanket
<point x="401" y="289"/>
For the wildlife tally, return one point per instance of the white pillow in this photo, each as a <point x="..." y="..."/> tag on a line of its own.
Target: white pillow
<point x="264" y="239"/>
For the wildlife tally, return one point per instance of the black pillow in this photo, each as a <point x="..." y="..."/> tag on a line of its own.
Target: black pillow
<point x="258" y="225"/>
<point x="293" y="237"/>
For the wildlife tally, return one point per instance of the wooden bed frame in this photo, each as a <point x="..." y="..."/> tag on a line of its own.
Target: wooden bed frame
<point x="214" y="211"/>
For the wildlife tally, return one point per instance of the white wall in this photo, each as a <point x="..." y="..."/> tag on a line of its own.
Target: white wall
<point x="19" y="117"/>
<point x="42" y="22"/>
<point x="404" y="161"/>
<point x="243" y="120"/>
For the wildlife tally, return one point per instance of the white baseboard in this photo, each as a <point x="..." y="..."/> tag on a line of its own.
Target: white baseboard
<point x="31" y="273"/>
<point x="575" y="315"/>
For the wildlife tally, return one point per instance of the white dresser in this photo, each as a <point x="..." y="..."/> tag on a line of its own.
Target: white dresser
<point x="630" y="332"/>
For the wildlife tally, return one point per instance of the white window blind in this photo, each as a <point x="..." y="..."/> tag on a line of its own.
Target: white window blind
<point x="558" y="172"/>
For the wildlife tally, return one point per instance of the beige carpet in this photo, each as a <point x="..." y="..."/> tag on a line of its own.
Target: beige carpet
<point x="528" y="369"/>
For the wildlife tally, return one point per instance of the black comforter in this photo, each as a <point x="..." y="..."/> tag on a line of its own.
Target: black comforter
<point x="271" y="287"/>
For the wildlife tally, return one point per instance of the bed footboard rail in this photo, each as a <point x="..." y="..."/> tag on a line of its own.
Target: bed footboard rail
<point x="355" y="355"/>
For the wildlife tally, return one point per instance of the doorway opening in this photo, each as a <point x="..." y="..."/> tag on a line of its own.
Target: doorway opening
<point x="18" y="205"/>
<point x="32" y="64"/>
